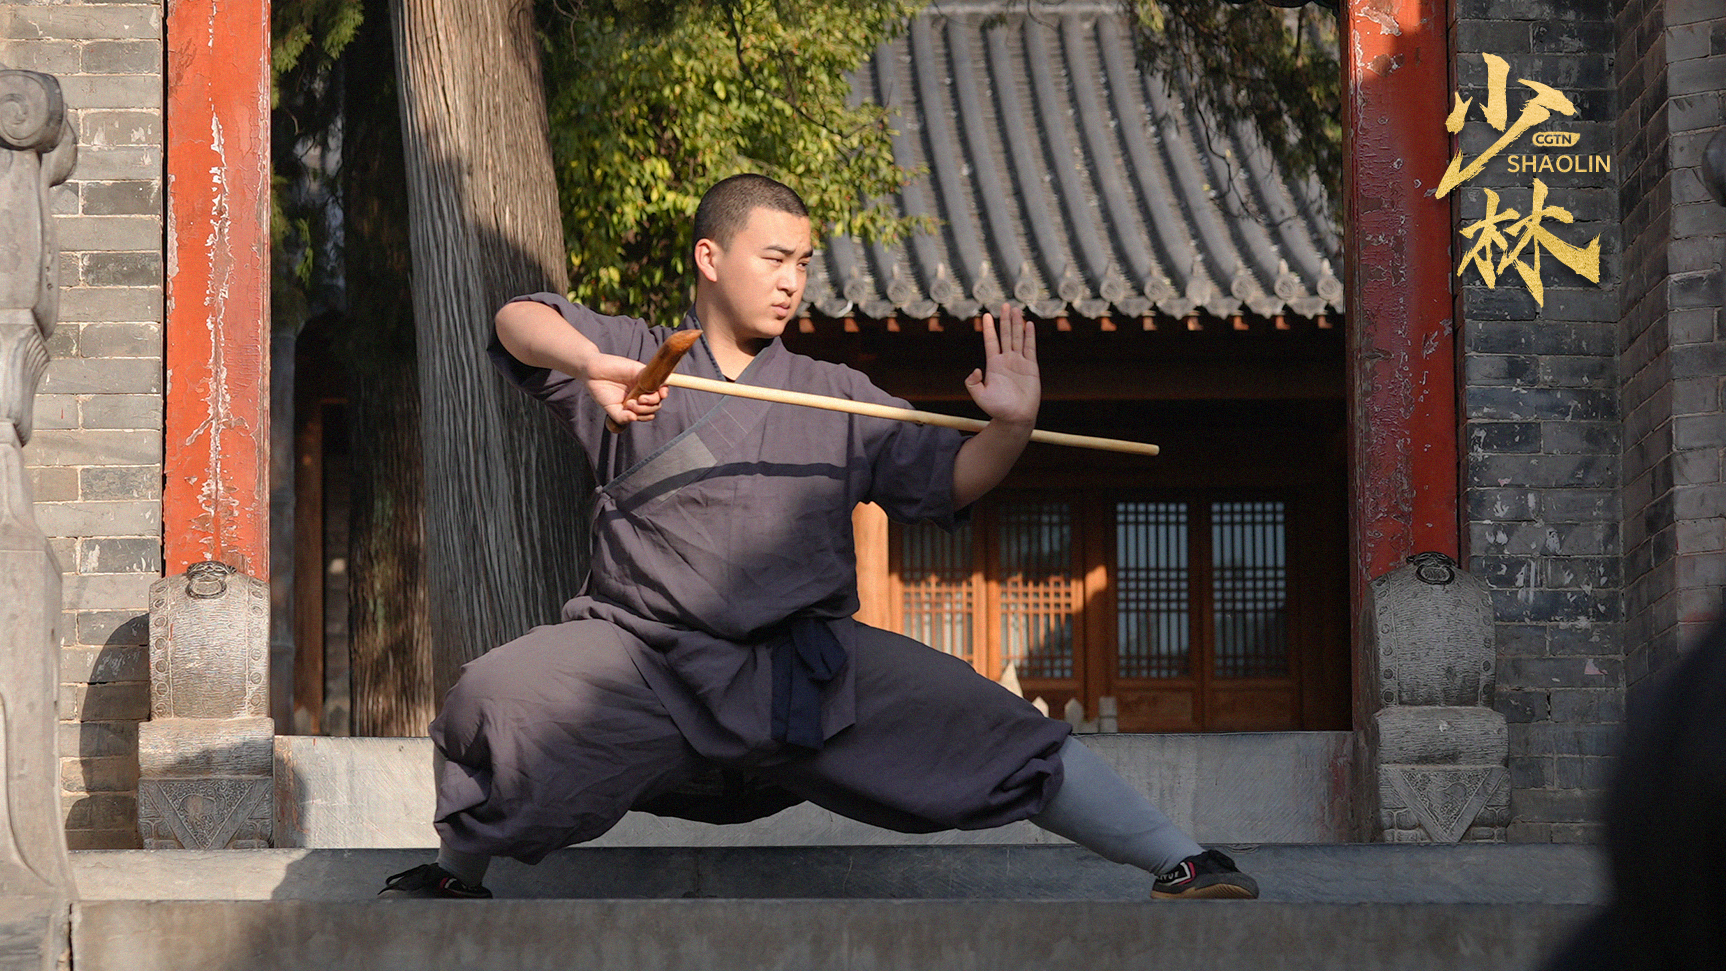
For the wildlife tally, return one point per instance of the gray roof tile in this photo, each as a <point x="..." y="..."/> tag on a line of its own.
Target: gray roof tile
<point x="1064" y="179"/>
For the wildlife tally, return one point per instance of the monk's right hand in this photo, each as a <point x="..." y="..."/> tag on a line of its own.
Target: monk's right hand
<point x="609" y="379"/>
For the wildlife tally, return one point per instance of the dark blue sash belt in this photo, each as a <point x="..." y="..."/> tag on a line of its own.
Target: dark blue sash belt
<point x="804" y="660"/>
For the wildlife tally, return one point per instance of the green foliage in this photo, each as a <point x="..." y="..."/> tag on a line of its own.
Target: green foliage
<point x="651" y="104"/>
<point x="321" y="28"/>
<point x="1252" y="63"/>
<point x="306" y="39"/>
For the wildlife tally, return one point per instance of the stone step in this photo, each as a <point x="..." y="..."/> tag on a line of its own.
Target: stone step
<point x="976" y="908"/>
<point x="1379" y="873"/>
<point x="929" y="908"/>
<point x="812" y="935"/>
<point x="1261" y="787"/>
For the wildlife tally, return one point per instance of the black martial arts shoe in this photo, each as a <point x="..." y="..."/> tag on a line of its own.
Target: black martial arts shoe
<point x="1210" y="875"/>
<point x="428" y="881"/>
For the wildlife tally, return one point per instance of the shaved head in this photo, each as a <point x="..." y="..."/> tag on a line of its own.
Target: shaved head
<point x="726" y="207"/>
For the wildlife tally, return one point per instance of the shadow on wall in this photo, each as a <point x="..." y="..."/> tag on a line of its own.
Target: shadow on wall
<point x="101" y="810"/>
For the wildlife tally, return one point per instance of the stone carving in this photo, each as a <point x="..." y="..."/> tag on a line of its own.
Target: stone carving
<point x="1439" y="750"/>
<point x="206" y="756"/>
<point x="1444" y="802"/>
<point x="224" y="813"/>
<point x="37" y="151"/>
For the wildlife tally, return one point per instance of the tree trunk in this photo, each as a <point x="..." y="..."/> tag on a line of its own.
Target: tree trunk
<point x="505" y="544"/>
<point x="388" y="627"/>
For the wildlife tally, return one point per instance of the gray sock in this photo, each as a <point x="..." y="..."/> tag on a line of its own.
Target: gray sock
<point x="1096" y="809"/>
<point x="469" y="868"/>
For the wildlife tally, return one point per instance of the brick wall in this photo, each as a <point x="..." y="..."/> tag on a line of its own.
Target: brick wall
<point x="1675" y="347"/>
<point x="1672" y="75"/>
<point x="1541" y="419"/>
<point x="1645" y="201"/>
<point x="96" y="457"/>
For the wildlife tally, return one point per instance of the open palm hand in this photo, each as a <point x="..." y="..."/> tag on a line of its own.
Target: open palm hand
<point x="1008" y="386"/>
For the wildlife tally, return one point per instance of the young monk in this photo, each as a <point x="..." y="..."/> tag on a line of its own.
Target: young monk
<point x="711" y="668"/>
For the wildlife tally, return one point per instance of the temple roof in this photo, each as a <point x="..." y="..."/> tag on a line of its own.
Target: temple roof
<point x="1065" y="179"/>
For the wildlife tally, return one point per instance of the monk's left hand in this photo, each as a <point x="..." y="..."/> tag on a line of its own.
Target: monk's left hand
<point x="1008" y="387"/>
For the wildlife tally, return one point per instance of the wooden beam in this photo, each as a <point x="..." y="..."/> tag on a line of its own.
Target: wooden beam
<point x="215" y="501"/>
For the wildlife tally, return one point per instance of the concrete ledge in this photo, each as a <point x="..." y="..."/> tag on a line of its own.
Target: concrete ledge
<point x="808" y="935"/>
<point x="1361" y="873"/>
<point x="1268" y="787"/>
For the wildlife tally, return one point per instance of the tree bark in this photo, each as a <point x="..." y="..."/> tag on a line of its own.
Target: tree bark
<point x="389" y="629"/>
<point x="505" y="544"/>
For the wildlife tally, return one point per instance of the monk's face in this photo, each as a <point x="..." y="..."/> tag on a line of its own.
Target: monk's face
<point x="756" y="279"/>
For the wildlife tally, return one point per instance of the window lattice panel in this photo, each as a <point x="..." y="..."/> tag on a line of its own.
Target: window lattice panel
<point x="1250" y="589"/>
<point x="1037" y="590"/>
<point x="939" y="596"/>
<point x="1152" y="618"/>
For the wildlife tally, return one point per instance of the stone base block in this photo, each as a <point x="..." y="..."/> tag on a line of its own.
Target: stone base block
<point x="206" y="783"/>
<point x="188" y="748"/>
<point x="1439" y="735"/>
<point x="1443" y="803"/>
<point x="233" y="813"/>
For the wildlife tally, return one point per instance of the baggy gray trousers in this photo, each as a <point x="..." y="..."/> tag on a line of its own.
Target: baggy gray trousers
<point x="548" y="740"/>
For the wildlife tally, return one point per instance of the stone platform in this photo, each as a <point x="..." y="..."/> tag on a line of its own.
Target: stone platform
<point x="989" y="908"/>
<point x="1262" y="787"/>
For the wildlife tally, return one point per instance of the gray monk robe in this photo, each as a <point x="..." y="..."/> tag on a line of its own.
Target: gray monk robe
<point x="715" y="630"/>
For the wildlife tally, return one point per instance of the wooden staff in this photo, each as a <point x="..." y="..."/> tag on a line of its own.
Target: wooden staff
<point x="897" y="414"/>
<point x="659" y="372"/>
<point x="652" y="377"/>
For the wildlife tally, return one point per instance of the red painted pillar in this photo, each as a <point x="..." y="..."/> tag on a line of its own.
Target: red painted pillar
<point x="1402" y="334"/>
<point x="215" y="500"/>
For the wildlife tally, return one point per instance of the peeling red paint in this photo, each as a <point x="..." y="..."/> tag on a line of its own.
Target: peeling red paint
<point x="215" y="502"/>
<point x="1402" y="335"/>
<point x="1381" y="13"/>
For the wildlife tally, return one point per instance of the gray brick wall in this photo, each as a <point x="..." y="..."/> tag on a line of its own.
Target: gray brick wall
<point x="1695" y="328"/>
<point x="1672" y="348"/>
<point x="1542" y="429"/>
<point x="96" y="458"/>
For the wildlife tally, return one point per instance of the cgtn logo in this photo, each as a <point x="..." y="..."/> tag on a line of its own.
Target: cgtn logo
<point x="1556" y="139"/>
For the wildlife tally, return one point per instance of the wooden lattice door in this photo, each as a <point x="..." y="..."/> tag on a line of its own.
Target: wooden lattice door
<point x="1182" y="608"/>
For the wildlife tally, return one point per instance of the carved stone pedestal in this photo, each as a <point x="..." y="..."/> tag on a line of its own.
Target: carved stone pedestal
<point x="1439" y="751"/>
<point x="206" y="756"/>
